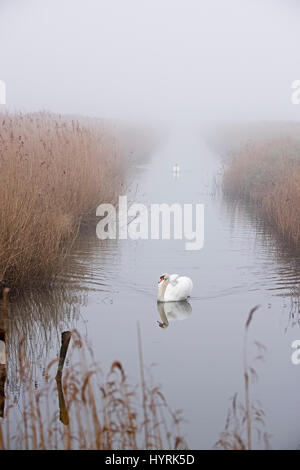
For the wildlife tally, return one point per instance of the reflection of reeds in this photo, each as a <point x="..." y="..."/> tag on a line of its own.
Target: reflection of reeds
<point x="243" y="418"/>
<point x="36" y="318"/>
<point x="294" y="316"/>
<point x="98" y="412"/>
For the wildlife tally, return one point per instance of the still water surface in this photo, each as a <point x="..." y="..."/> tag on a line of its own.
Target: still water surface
<point x="198" y="357"/>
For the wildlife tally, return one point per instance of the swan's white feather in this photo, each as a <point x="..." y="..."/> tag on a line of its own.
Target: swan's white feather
<point x="179" y="288"/>
<point x="173" y="279"/>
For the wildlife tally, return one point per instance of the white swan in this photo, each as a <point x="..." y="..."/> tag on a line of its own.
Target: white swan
<point x="173" y="288"/>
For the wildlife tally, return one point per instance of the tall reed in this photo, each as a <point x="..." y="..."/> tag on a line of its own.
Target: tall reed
<point x="245" y="418"/>
<point x="268" y="175"/>
<point x="54" y="172"/>
<point x="83" y="408"/>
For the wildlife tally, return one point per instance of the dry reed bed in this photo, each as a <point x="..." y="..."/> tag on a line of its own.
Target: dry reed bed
<point x="54" y="172"/>
<point x="268" y="174"/>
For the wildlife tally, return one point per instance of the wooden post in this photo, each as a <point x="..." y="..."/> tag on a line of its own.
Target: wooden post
<point x="63" y="412"/>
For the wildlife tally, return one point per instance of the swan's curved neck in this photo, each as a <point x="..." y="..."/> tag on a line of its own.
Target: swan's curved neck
<point x="162" y="290"/>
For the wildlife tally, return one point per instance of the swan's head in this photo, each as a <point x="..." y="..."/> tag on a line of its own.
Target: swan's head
<point x="163" y="277"/>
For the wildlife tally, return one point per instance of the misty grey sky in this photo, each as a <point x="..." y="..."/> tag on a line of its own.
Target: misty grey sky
<point x="189" y="59"/>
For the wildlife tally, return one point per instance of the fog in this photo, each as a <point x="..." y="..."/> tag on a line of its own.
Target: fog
<point x="185" y="60"/>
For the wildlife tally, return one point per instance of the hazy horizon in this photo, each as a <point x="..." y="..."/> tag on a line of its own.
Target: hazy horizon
<point x="172" y="60"/>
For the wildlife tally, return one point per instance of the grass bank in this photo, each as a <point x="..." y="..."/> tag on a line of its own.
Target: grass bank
<point x="266" y="172"/>
<point x="54" y="172"/>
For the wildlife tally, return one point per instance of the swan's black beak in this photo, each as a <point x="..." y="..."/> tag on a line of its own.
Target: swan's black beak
<point x="161" y="279"/>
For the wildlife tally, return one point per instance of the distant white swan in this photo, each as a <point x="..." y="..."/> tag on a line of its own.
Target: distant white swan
<point x="173" y="288"/>
<point x="176" y="168"/>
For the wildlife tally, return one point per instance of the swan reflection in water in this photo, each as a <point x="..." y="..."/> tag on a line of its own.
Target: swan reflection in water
<point x="171" y="311"/>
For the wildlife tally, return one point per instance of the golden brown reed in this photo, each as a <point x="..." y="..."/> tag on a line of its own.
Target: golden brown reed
<point x="54" y="172"/>
<point x="268" y="174"/>
<point x="84" y="409"/>
<point x="246" y="418"/>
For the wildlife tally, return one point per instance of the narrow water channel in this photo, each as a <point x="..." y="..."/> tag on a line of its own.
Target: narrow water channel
<point x="198" y="357"/>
